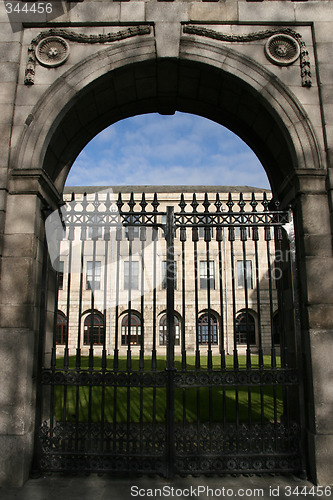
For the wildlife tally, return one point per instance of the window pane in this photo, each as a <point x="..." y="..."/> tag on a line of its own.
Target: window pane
<point x="134" y="329"/>
<point x="164" y="274"/>
<point x="202" y="232"/>
<point x="238" y="232"/>
<point x="61" y="275"/>
<point x="240" y="273"/>
<point x="134" y="275"/>
<point x="203" y="333"/>
<point x="93" y="271"/>
<point x="203" y="275"/>
<point x="134" y="229"/>
<point x="61" y="329"/>
<point x="95" y="331"/>
<point x="245" y="329"/>
<point x="163" y="330"/>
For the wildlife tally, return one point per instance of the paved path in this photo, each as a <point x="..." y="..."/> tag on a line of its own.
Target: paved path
<point x="203" y="488"/>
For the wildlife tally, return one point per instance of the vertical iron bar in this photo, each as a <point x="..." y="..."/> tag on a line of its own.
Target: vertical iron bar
<point x="106" y="258"/>
<point x="71" y="236"/>
<point x="298" y="331"/>
<point x="153" y="359"/>
<point x="255" y="236"/>
<point x="40" y="351"/>
<point x="116" y="329"/>
<point x="248" y="349"/>
<point x="222" y="349"/>
<point x="183" y="323"/>
<point x="170" y="367"/>
<point x="196" y="300"/>
<point x="267" y="230"/>
<point x="235" y="354"/>
<point x="116" y="339"/>
<point x="142" y="338"/>
<point x="130" y="233"/>
<point x="78" y="348"/>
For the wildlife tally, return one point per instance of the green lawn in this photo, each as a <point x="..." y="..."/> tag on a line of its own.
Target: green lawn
<point x="161" y="362"/>
<point x="190" y="404"/>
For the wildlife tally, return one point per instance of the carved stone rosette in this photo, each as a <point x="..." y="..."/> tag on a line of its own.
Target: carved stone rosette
<point x="52" y="51"/>
<point x="282" y="50"/>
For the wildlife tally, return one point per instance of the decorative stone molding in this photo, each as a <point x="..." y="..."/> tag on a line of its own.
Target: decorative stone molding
<point x="291" y="43"/>
<point x="282" y="50"/>
<point x="52" y="51"/>
<point x="50" y="48"/>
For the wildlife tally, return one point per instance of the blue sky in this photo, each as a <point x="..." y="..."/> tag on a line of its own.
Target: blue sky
<point x="182" y="149"/>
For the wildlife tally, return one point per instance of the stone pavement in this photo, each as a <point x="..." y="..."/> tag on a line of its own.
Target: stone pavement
<point x="211" y="488"/>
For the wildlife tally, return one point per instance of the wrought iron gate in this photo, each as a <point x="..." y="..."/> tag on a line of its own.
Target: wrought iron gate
<point x="174" y="348"/>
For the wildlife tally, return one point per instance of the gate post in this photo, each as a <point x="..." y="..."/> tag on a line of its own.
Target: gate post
<point x="170" y="362"/>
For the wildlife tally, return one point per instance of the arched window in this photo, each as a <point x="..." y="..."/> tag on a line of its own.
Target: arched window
<point x="135" y="330"/>
<point x="276" y="328"/>
<point x="61" y="329"/>
<point x="94" y="325"/>
<point x="245" y="328"/>
<point x="163" y="330"/>
<point x="204" y="329"/>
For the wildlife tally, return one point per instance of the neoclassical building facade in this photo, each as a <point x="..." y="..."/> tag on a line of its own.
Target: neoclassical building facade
<point x="94" y="298"/>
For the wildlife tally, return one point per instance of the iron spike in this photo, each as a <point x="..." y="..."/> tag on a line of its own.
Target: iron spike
<point x="143" y="202"/>
<point x="218" y="203"/>
<point x="194" y="203"/>
<point x="265" y="202"/>
<point x="155" y="203"/>
<point x="131" y="203"/>
<point x="206" y="203"/>
<point x="253" y="203"/>
<point x="182" y="203"/>
<point x="241" y="202"/>
<point x="230" y="203"/>
<point x="119" y="202"/>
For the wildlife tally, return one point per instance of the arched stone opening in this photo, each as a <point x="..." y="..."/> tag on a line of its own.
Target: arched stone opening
<point x="238" y="94"/>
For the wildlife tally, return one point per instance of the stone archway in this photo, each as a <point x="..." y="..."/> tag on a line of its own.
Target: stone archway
<point x="129" y="80"/>
<point x="239" y="93"/>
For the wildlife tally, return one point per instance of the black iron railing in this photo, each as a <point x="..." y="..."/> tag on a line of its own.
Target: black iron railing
<point x="128" y="403"/>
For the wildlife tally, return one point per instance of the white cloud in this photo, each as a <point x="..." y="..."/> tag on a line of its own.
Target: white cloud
<point x="153" y="149"/>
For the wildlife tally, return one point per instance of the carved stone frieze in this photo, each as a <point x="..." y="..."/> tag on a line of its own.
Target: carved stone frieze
<point x="285" y="50"/>
<point x="50" y="48"/>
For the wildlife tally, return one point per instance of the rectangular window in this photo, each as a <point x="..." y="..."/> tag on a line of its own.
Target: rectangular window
<point x="93" y="275"/>
<point x="240" y="272"/>
<point x="61" y="275"/>
<point x="133" y="280"/>
<point x="96" y="231"/>
<point x="164" y="274"/>
<point x="133" y="229"/>
<point x="202" y="232"/>
<point x="204" y="275"/>
<point x="238" y="232"/>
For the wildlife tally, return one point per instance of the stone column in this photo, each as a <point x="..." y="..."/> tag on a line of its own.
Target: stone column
<point x="20" y="292"/>
<point x="315" y="261"/>
<point x="10" y="49"/>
